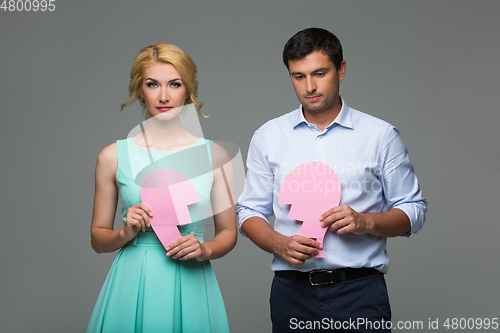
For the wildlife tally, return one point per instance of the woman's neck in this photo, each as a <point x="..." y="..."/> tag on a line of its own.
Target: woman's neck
<point x="164" y="135"/>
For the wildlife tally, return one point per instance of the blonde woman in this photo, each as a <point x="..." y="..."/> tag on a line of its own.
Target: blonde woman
<point x="150" y="287"/>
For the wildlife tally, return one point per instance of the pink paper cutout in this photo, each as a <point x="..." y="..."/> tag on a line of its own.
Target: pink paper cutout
<point x="311" y="188"/>
<point x="168" y="193"/>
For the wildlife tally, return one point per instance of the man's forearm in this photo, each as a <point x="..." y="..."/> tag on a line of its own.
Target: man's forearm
<point x="392" y="223"/>
<point x="261" y="233"/>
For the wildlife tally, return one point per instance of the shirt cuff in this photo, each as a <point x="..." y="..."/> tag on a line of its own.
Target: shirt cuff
<point x="244" y="213"/>
<point x="415" y="215"/>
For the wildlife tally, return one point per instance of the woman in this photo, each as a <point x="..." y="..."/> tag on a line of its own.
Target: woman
<point x="152" y="288"/>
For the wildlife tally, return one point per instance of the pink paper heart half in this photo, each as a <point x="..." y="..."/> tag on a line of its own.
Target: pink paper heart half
<point x="168" y="193"/>
<point x="311" y="188"/>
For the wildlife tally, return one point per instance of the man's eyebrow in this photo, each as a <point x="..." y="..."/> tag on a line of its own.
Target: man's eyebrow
<point x="322" y="69"/>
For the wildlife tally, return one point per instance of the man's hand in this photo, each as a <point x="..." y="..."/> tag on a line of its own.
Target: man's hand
<point x="297" y="249"/>
<point x="294" y="249"/>
<point x="344" y="219"/>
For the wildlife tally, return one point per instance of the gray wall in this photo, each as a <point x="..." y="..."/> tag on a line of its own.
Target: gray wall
<point x="429" y="67"/>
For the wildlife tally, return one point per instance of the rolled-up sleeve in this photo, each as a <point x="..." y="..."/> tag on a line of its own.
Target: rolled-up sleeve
<point x="257" y="196"/>
<point x="399" y="182"/>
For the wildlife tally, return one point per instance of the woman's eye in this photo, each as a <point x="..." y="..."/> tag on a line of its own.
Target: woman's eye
<point x="176" y="84"/>
<point x="152" y="84"/>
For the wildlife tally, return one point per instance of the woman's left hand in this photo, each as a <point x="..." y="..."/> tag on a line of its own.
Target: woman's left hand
<point x="187" y="247"/>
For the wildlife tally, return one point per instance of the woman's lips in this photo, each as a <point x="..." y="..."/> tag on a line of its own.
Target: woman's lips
<point x="164" y="108"/>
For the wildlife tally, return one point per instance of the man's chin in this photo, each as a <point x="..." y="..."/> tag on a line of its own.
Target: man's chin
<point x="313" y="110"/>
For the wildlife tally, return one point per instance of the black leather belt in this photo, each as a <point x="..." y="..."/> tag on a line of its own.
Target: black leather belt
<point x="322" y="277"/>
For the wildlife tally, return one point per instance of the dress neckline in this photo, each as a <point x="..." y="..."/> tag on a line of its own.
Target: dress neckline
<point x="164" y="151"/>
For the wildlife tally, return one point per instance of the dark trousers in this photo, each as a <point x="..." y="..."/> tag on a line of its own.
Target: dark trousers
<point x="360" y="305"/>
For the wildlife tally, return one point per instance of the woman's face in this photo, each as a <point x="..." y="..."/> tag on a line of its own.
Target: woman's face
<point x="163" y="90"/>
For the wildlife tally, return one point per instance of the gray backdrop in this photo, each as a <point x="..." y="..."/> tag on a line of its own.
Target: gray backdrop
<point x="429" y="67"/>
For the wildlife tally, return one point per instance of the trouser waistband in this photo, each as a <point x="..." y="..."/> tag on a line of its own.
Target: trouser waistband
<point x="324" y="277"/>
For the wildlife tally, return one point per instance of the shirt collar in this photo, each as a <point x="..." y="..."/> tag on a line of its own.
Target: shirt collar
<point x="343" y="119"/>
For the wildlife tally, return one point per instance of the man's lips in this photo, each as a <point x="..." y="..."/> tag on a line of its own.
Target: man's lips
<point x="313" y="98"/>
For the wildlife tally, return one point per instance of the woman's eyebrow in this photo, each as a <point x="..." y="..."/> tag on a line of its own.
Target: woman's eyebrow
<point x="178" y="78"/>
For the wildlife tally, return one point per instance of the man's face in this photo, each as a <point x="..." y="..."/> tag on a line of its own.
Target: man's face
<point x="316" y="82"/>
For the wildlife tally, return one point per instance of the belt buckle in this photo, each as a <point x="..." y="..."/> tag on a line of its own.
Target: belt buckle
<point x="321" y="271"/>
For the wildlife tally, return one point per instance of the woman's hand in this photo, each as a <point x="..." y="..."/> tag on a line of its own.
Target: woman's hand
<point x="187" y="247"/>
<point x="137" y="219"/>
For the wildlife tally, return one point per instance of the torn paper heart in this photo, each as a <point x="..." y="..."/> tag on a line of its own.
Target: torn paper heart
<point x="311" y="188"/>
<point x="168" y="193"/>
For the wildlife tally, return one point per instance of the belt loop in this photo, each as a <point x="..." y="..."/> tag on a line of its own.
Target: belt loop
<point x="342" y="275"/>
<point x="134" y="241"/>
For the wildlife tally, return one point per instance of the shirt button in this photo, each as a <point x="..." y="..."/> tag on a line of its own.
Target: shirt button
<point x="321" y="136"/>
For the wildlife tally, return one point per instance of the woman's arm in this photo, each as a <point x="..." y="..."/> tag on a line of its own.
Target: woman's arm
<point x="223" y="206"/>
<point x="103" y="237"/>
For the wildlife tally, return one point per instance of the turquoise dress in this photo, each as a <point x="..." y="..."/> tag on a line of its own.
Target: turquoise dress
<point x="146" y="291"/>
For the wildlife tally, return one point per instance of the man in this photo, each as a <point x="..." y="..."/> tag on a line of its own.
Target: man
<point x="380" y="198"/>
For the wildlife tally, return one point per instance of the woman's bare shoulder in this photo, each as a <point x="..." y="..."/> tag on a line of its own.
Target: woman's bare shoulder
<point x="108" y="158"/>
<point x="220" y="156"/>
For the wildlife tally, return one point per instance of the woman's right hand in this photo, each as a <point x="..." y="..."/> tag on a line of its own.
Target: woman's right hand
<point x="137" y="219"/>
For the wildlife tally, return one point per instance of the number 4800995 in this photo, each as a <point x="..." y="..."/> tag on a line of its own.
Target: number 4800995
<point x="28" y="5"/>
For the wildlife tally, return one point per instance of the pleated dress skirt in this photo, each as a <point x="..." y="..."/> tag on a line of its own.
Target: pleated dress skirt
<point x="146" y="291"/>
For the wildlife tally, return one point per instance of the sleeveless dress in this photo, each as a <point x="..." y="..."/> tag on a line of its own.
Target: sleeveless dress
<point x="146" y="291"/>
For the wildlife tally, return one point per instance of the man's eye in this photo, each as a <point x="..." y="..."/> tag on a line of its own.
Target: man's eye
<point x="320" y="74"/>
<point x="298" y="77"/>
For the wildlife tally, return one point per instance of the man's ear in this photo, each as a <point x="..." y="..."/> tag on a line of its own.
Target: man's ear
<point x="341" y="71"/>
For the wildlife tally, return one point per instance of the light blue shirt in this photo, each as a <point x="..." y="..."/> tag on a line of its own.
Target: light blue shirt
<point x="373" y="167"/>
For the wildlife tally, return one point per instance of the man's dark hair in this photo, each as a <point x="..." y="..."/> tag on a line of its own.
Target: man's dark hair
<point x="313" y="39"/>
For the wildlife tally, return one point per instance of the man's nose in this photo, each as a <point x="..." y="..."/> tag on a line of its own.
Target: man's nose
<point x="310" y="86"/>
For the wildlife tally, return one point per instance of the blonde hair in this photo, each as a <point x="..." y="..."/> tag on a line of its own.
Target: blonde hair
<point x="163" y="54"/>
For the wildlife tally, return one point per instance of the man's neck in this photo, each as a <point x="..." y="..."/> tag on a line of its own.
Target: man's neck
<point x="323" y="119"/>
